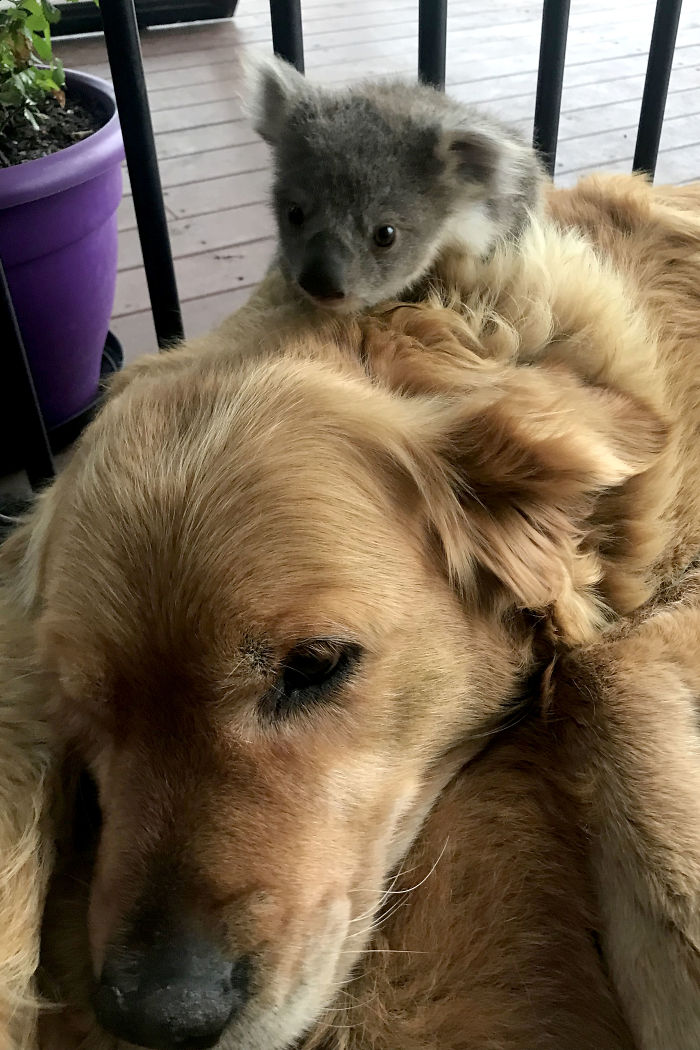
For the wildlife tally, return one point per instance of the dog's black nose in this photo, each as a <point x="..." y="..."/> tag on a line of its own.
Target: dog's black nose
<point x="323" y="273"/>
<point x="180" y="995"/>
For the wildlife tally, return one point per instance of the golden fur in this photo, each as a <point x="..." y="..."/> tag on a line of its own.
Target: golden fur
<point x="494" y="493"/>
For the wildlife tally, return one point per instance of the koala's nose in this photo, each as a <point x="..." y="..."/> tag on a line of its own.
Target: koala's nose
<point x="181" y="994"/>
<point x="323" y="271"/>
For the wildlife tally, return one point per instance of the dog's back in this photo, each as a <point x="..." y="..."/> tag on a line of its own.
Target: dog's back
<point x="652" y="238"/>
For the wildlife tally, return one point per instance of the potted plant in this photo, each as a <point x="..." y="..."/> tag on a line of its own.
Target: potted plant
<point x="60" y="186"/>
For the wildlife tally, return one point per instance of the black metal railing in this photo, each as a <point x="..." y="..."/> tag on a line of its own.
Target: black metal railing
<point x="651" y="117"/>
<point x="119" y="19"/>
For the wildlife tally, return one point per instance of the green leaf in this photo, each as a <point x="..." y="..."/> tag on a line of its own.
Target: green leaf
<point x="42" y="46"/>
<point x="36" y="17"/>
<point x="51" y="12"/>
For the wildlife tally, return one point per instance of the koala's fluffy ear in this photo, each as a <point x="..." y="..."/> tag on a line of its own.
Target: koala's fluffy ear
<point x="483" y="157"/>
<point x="475" y="156"/>
<point x="272" y="86"/>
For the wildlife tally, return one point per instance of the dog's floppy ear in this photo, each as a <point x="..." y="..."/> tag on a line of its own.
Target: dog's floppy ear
<point x="523" y="458"/>
<point x="273" y="85"/>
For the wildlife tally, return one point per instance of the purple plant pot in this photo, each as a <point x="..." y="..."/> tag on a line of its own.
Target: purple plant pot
<point x="58" y="245"/>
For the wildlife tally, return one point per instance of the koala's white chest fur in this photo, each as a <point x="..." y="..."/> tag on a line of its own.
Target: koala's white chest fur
<point x="472" y="231"/>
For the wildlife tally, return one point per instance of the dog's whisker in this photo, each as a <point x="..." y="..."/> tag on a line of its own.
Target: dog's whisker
<point x="354" y="1004"/>
<point x="412" y="889"/>
<point x="384" y="897"/>
<point x="403" y="894"/>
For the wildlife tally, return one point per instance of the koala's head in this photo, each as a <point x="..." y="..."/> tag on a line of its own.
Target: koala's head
<point x="371" y="182"/>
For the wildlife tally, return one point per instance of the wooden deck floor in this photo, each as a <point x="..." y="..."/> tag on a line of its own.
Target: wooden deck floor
<point x="216" y="174"/>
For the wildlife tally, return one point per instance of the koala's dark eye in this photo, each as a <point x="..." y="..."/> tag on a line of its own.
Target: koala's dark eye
<point x="295" y="214"/>
<point x="310" y="674"/>
<point x="384" y="236"/>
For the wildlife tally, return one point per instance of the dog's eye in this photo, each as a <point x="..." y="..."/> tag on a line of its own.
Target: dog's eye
<point x="384" y="236"/>
<point x="295" y="214"/>
<point x="310" y="673"/>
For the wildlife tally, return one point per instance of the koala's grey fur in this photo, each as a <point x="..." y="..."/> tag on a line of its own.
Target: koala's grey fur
<point x="442" y="174"/>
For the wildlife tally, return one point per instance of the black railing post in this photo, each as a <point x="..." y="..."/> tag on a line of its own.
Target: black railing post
<point x="124" y="51"/>
<point x="432" y="41"/>
<point x="23" y="418"/>
<point x="651" y="117"/>
<point x="287" y="36"/>
<point x="550" y="77"/>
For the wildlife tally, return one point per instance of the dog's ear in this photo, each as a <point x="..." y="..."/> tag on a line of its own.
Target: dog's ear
<point x="523" y="457"/>
<point x="273" y="86"/>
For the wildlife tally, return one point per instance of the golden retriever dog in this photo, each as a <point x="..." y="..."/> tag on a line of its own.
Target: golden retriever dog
<point x="379" y="642"/>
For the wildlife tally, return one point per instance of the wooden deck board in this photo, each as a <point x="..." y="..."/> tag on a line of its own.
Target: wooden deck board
<point x="216" y="173"/>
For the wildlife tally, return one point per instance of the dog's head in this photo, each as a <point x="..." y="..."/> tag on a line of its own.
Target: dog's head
<point x="280" y="600"/>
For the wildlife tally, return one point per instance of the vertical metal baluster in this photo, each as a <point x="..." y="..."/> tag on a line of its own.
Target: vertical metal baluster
<point x="432" y="41"/>
<point x="651" y="118"/>
<point x="550" y="77"/>
<point x="124" y="51"/>
<point x="287" y="36"/>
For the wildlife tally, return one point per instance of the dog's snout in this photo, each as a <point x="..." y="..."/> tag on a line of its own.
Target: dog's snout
<point x="178" y="995"/>
<point x="323" y="272"/>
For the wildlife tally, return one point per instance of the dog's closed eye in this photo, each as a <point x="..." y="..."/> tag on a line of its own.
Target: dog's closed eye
<point x="311" y="673"/>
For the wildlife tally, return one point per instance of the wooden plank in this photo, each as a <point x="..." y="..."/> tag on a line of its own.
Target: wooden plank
<point x="679" y="165"/>
<point x="608" y="148"/>
<point x="225" y="86"/>
<point x="190" y="168"/>
<point x="201" y="198"/>
<point x="624" y="116"/>
<point x="195" y="139"/>
<point x="203" y="233"/>
<point x="206" y="196"/>
<point x="240" y="266"/>
<point x="206" y="114"/>
<point x="618" y="119"/>
<point x="213" y="163"/>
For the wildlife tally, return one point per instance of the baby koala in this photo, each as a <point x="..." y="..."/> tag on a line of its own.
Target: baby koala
<point x="375" y="183"/>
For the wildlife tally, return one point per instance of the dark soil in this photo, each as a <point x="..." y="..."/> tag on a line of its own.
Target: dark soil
<point x="62" y="127"/>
